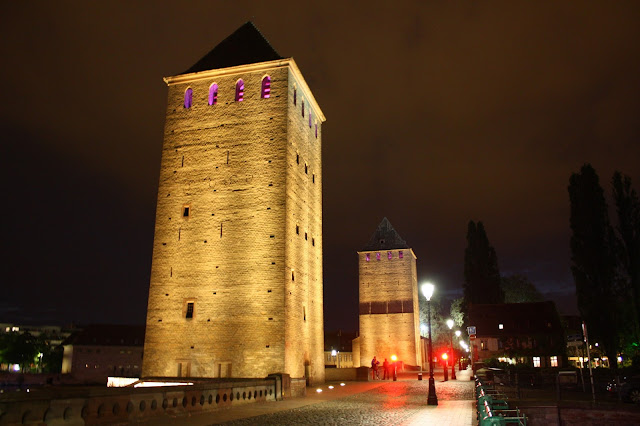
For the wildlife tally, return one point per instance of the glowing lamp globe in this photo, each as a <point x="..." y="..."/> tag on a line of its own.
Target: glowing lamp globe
<point x="427" y="290"/>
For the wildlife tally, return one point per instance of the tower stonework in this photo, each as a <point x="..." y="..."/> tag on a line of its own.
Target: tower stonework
<point x="389" y="312"/>
<point x="236" y="277"/>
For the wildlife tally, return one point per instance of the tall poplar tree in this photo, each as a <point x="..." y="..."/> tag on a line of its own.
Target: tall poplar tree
<point x="628" y="212"/>
<point x="481" y="273"/>
<point x="593" y="260"/>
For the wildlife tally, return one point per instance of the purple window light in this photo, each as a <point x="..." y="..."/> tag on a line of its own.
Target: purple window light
<point x="188" y="97"/>
<point x="302" y="107"/>
<point x="309" y="118"/>
<point x="378" y="256"/>
<point x="240" y="91"/>
<point x="400" y="254"/>
<point x="266" y="87"/>
<point x="213" y="94"/>
<point x="389" y="255"/>
<point x="368" y="257"/>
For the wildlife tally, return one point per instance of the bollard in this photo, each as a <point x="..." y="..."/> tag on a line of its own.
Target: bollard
<point x="419" y="376"/>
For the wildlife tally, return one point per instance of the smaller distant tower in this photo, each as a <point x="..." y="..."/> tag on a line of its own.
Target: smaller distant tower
<point x="389" y="313"/>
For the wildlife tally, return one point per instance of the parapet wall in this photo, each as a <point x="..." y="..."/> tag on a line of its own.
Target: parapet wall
<point x="95" y="406"/>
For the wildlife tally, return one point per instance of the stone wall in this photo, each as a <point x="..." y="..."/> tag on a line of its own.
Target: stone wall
<point x="89" y="406"/>
<point x="238" y="230"/>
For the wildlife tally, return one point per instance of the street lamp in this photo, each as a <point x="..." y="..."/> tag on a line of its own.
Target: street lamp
<point x="432" y="398"/>
<point x="453" y="358"/>
<point x="458" y="333"/>
<point x="395" y="369"/>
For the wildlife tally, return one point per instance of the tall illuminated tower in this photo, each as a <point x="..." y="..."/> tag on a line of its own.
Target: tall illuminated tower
<point x="236" y="277"/>
<point x="389" y="312"/>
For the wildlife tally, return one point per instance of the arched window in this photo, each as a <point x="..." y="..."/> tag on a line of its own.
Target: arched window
<point x="188" y="97"/>
<point x="213" y="94"/>
<point x="266" y="87"/>
<point x="302" y="107"/>
<point x="239" y="91"/>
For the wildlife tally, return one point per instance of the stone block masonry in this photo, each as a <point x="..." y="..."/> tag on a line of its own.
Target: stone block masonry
<point x="236" y="280"/>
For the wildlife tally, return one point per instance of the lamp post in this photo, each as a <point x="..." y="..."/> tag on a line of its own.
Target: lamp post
<point x="453" y="358"/>
<point x="458" y="333"/>
<point x="432" y="398"/>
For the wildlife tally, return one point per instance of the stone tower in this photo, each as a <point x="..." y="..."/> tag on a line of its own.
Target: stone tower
<point x="236" y="276"/>
<point x="389" y="313"/>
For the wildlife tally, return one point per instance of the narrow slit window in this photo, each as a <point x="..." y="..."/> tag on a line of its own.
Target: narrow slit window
<point x="378" y="256"/>
<point x="306" y="168"/>
<point x="185" y="211"/>
<point x="316" y="130"/>
<point x="310" y="124"/>
<point x="188" y="97"/>
<point x="389" y="255"/>
<point x="293" y="275"/>
<point x="265" y="92"/>
<point x="297" y="230"/>
<point x="213" y="94"/>
<point x="302" y="102"/>
<point x="368" y="257"/>
<point x="295" y="96"/>
<point x="239" y="90"/>
<point x="189" y="313"/>
<point x="400" y="254"/>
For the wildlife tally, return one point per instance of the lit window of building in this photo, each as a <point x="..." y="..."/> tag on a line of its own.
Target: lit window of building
<point x="400" y="254"/>
<point x="536" y="361"/>
<point x="368" y="257"/>
<point x="554" y="361"/>
<point x="501" y="326"/>
<point x="239" y="90"/>
<point x="265" y="92"/>
<point x="213" y="94"/>
<point x="188" y="97"/>
<point x="389" y="255"/>
<point x="378" y="256"/>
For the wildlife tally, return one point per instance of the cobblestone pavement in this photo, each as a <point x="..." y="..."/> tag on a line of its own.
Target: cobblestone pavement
<point x="398" y="403"/>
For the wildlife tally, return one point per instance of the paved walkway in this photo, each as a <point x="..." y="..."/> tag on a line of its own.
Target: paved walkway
<point x="381" y="402"/>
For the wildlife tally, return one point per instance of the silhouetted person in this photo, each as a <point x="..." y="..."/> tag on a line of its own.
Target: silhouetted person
<point x="374" y="368"/>
<point x="386" y="367"/>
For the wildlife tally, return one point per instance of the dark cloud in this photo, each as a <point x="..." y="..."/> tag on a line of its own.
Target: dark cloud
<point x="438" y="113"/>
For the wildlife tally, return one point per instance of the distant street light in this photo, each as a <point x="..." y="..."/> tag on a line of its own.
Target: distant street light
<point x="432" y="398"/>
<point x="453" y="358"/>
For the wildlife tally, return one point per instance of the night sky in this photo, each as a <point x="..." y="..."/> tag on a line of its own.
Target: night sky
<point x="437" y="114"/>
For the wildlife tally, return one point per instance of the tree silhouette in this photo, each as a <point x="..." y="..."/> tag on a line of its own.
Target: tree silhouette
<point x="481" y="273"/>
<point x="593" y="260"/>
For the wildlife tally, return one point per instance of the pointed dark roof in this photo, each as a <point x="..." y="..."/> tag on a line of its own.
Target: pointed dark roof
<point x="385" y="238"/>
<point x="245" y="46"/>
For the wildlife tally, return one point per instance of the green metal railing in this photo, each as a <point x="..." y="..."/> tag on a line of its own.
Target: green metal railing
<point x="493" y="409"/>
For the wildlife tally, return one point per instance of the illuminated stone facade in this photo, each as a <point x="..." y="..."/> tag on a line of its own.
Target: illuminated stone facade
<point x="389" y="313"/>
<point x="236" y="279"/>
